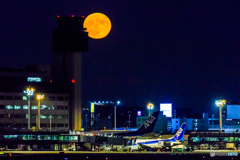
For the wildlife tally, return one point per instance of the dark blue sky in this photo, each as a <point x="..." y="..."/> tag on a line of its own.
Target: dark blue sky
<point x="186" y="53"/>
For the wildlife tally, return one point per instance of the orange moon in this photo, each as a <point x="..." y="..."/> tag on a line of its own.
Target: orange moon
<point x="97" y="25"/>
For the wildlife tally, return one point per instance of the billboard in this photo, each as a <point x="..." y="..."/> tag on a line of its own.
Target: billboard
<point x="233" y="111"/>
<point x="166" y="108"/>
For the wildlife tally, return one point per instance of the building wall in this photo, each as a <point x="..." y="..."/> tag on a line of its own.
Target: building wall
<point x="14" y="110"/>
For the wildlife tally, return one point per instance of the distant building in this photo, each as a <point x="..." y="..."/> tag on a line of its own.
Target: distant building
<point x="193" y="124"/>
<point x="182" y="112"/>
<point x="53" y="111"/>
<point x="14" y="103"/>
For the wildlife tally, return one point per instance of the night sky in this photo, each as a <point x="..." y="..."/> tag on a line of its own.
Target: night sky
<point x="185" y="53"/>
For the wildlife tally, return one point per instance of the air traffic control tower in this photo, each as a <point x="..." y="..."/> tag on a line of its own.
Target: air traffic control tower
<point x="69" y="42"/>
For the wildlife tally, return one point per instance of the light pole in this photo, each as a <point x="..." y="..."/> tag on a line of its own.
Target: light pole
<point x="220" y="104"/>
<point x="129" y="119"/>
<point x="39" y="97"/>
<point x="29" y="91"/>
<point x="115" y="114"/>
<point x="149" y="107"/>
<point x="212" y="120"/>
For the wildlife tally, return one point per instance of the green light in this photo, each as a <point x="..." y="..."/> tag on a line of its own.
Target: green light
<point x="92" y="107"/>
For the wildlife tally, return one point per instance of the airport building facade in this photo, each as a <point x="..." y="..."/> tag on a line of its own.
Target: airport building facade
<point x="53" y="111"/>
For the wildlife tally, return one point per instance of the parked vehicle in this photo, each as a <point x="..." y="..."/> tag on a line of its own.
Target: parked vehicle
<point x="230" y="146"/>
<point x="166" y="149"/>
<point x="215" y="147"/>
<point x="178" y="148"/>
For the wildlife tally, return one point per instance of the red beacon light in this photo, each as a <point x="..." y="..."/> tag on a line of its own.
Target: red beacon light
<point x="73" y="81"/>
<point x="50" y="81"/>
<point x="58" y="16"/>
<point x="82" y="16"/>
<point x="72" y="15"/>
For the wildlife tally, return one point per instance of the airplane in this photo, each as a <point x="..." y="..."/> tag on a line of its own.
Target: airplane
<point x="177" y="139"/>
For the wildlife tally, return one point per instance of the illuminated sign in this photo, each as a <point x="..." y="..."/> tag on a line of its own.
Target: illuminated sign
<point x="92" y="107"/>
<point x="139" y="113"/>
<point x="34" y="79"/>
<point x="166" y="108"/>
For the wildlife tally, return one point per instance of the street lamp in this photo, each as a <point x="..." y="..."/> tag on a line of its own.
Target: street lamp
<point x="149" y="107"/>
<point x="220" y="104"/>
<point x="39" y="97"/>
<point x="212" y="120"/>
<point x="115" y="114"/>
<point x="29" y="91"/>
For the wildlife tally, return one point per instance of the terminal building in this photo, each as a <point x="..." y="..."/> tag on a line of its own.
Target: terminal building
<point x="53" y="111"/>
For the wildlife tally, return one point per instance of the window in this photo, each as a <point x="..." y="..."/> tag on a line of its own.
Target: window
<point x="51" y="98"/>
<point x="60" y="98"/>
<point x="59" y="117"/>
<point x="60" y="125"/>
<point x="1" y="115"/>
<point x="66" y="125"/>
<point x="9" y="97"/>
<point x="66" y="107"/>
<point x="17" y="107"/>
<point x="196" y="139"/>
<point x="66" y="98"/>
<point x="176" y="121"/>
<point x="34" y="107"/>
<point x="51" y="116"/>
<point x="60" y="107"/>
<point x="25" y="106"/>
<point x="50" y="107"/>
<point x="66" y="117"/>
<point x="9" y="124"/>
<point x="55" y="137"/>
<point x="24" y="98"/>
<point x="53" y="125"/>
<point x="17" y="116"/>
<point x="177" y="127"/>
<point x="25" y="124"/>
<point x="17" y="125"/>
<point x="9" y="107"/>
<point x="1" y="97"/>
<point x="43" y="107"/>
<point x="18" y="97"/>
<point x="43" y="116"/>
<point x="1" y="124"/>
<point x="43" y="125"/>
<point x="1" y="106"/>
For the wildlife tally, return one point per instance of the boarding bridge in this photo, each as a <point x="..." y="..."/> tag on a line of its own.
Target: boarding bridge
<point x="55" y="140"/>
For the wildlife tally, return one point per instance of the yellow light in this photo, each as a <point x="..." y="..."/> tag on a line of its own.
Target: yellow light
<point x="220" y="103"/>
<point x="97" y="25"/>
<point x="40" y="96"/>
<point x="150" y="106"/>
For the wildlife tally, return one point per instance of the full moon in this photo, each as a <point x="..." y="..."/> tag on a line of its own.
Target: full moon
<point x="97" y="25"/>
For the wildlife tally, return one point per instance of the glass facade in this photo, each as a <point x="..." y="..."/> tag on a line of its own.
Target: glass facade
<point x="68" y="138"/>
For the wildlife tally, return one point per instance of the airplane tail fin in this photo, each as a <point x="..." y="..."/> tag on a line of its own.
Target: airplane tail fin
<point x="149" y="124"/>
<point x="180" y="133"/>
